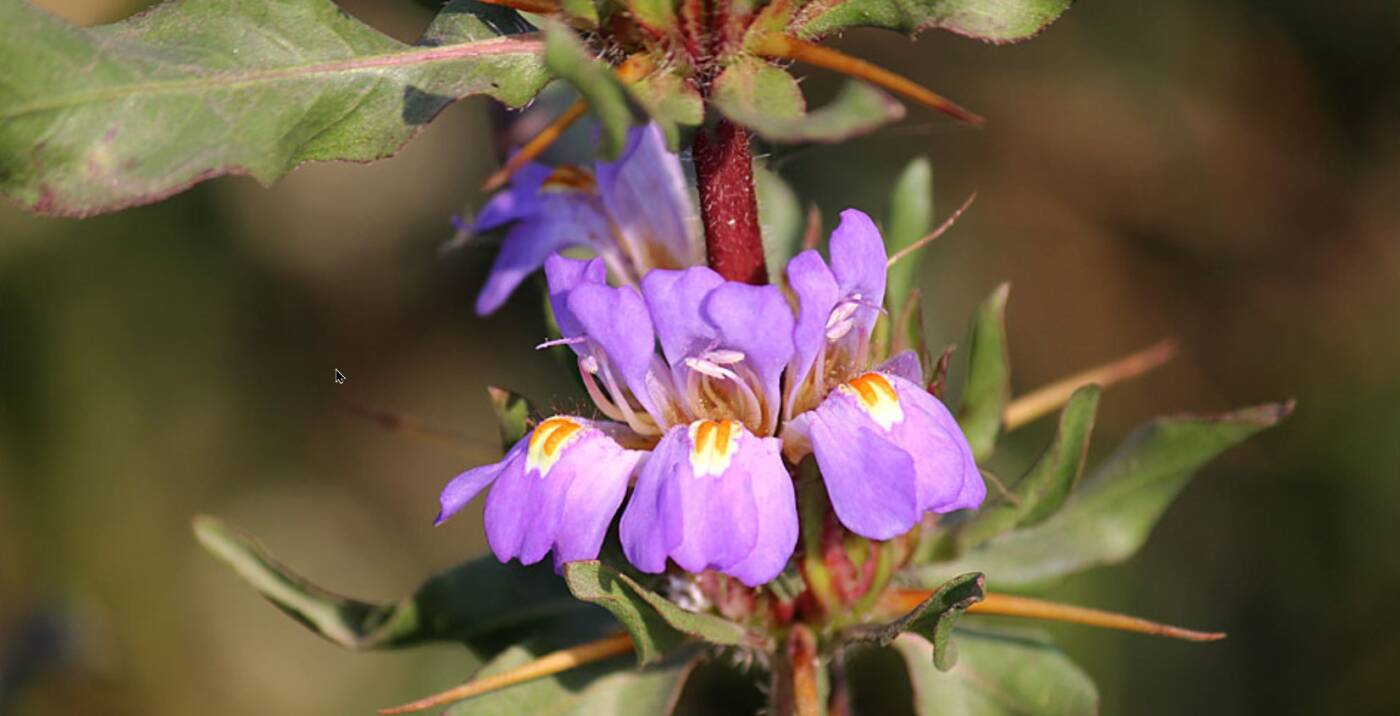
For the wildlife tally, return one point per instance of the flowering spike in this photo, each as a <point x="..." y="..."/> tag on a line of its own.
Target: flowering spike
<point x="1029" y="608"/>
<point x="536" y="146"/>
<point x="933" y="235"/>
<point x="1045" y="400"/>
<point x="547" y="665"/>
<point x="777" y="46"/>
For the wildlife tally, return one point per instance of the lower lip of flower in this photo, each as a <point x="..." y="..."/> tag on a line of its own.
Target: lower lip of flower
<point x="548" y="441"/>
<point x="713" y="444"/>
<point x="875" y="395"/>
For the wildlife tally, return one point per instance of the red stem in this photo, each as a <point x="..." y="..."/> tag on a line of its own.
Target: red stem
<point x="728" y="205"/>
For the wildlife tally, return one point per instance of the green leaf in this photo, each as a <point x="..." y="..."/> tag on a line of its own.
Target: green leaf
<point x="103" y="118"/>
<point x="669" y="100"/>
<point x="566" y="56"/>
<point x="1107" y="519"/>
<point x="754" y="87"/>
<point x="911" y="218"/>
<point x="513" y="414"/>
<point x="656" y="624"/>
<point x="607" y="688"/>
<point x="1048" y="483"/>
<point x="998" y="674"/>
<point x="767" y="100"/>
<point x="482" y="604"/>
<point x="988" y="376"/>
<point x="781" y="218"/>
<point x="997" y="21"/>
<point x="582" y="10"/>
<point x="934" y="618"/>
<point x="659" y="16"/>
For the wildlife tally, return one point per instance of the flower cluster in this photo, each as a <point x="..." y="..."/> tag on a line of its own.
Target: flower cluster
<point x="747" y="382"/>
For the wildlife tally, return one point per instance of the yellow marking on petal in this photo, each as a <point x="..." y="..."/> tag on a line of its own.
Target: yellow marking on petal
<point x="548" y="441"/>
<point x="875" y="395"/>
<point x="713" y="445"/>
<point x="569" y="176"/>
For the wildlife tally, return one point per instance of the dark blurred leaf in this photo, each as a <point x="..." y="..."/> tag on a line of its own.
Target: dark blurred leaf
<point x="1047" y="485"/>
<point x="988" y="376"/>
<point x="566" y="56"/>
<point x="992" y="20"/>
<point x="998" y="675"/>
<point x="607" y="688"/>
<point x="934" y="618"/>
<point x="656" y="624"/>
<point x="482" y="604"/>
<point x="99" y="119"/>
<point x="767" y="100"/>
<point x="1107" y="519"/>
<point x="911" y="218"/>
<point x="513" y="415"/>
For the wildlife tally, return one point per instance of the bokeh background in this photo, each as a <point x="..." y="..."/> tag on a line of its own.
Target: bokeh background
<point x="1227" y="173"/>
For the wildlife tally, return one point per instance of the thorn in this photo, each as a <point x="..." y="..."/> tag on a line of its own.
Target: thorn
<point x="412" y="427"/>
<point x="535" y="147"/>
<point x="547" y="665"/>
<point x="1045" y="400"/>
<point x="1006" y="605"/>
<point x="777" y="46"/>
<point x="931" y="236"/>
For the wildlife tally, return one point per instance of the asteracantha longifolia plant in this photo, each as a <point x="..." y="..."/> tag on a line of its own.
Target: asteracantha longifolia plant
<point x="768" y="503"/>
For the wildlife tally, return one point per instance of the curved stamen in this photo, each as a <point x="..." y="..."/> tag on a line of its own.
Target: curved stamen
<point x="599" y="399"/>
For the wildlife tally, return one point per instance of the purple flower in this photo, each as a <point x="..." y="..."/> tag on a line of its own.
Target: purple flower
<point x="888" y="452"/>
<point x="712" y="495"/>
<point x="557" y="489"/>
<point x="635" y="212"/>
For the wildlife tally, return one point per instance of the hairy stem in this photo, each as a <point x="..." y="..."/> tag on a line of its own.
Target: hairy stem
<point x="728" y="205"/>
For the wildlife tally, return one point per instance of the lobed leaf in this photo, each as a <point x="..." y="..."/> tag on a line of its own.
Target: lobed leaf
<point x="934" y="618"/>
<point x="99" y="119"/>
<point x="997" y="21"/>
<point x="988" y="376"/>
<point x="998" y="674"/>
<point x="766" y="99"/>
<point x="482" y="604"/>
<point x="1107" y="519"/>
<point x="656" y="624"/>
<point x="1046" y="486"/>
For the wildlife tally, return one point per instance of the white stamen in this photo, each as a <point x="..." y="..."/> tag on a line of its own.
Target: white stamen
<point x="724" y="357"/>
<point x="588" y="364"/>
<point x="700" y="365"/>
<point x="562" y="342"/>
<point x="843" y="311"/>
<point x="836" y="332"/>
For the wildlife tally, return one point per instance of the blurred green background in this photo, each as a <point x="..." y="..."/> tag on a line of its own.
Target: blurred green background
<point x="1227" y="173"/>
